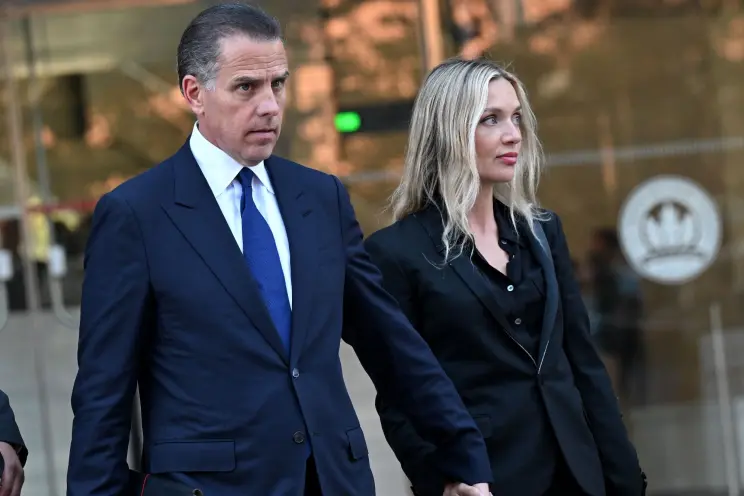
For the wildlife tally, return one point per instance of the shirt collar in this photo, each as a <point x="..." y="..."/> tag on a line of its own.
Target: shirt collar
<point x="504" y="223"/>
<point x="219" y="169"/>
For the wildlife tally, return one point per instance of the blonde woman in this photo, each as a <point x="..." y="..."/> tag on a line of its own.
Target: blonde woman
<point x="486" y="278"/>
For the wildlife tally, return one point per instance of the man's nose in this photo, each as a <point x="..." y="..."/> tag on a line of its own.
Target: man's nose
<point x="269" y="106"/>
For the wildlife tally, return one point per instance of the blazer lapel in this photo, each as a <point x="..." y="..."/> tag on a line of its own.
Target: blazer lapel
<point x="197" y="215"/>
<point x="299" y="222"/>
<point x="466" y="270"/>
<point x="541" y="249"/>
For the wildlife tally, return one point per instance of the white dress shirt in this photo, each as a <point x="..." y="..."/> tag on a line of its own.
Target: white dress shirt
<point x="221" y="172"/>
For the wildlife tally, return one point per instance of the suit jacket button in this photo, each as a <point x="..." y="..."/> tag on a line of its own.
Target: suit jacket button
<point x="298" y="437"/>
<point x="295" y="373"/>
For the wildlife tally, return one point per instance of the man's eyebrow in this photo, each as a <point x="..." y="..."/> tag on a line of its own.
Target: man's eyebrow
<point x="254" y="80"/>
<point x="245" y="80"/>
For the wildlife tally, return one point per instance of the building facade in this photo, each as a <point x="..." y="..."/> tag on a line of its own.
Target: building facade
<point x="640" y="110"/>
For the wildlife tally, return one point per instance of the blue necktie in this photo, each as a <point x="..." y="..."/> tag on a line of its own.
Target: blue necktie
<point x="259" y="250"/>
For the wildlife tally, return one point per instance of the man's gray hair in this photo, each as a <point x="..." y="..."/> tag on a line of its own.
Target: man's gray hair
<point x="200" y="46"/>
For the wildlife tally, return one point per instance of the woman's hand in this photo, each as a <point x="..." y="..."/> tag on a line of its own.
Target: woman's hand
<point x="460" y="489"/>
<point x="12" y="475"/>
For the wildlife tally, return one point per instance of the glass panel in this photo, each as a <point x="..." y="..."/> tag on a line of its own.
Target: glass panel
<point x="627" y="92"/>
<point x="624" y="91"/>
<point x="376" y="60"/>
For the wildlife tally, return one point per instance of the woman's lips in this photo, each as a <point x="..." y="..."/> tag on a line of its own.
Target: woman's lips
<point x="508" y="158"/>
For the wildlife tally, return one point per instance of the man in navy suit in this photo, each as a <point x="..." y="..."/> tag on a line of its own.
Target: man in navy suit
<point x="221" y="282"/>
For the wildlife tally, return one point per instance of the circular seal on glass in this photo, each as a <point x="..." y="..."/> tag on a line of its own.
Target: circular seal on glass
<point x="669" y="229"/>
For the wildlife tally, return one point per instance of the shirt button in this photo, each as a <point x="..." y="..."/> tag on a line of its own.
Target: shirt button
<point x="510" y="288"/>
<point x="298" y="437"/>
<point x="295" y="373"/>
<point x="517" y="321"/>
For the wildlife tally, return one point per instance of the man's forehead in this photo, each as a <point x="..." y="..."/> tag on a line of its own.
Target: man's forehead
<point x="241" y="48"/>
<point x="242" y="56"/>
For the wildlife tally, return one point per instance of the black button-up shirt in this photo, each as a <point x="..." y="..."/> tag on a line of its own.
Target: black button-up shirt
<point x="520" y="293"/>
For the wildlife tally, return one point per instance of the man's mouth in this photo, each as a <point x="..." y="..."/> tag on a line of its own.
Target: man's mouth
<point x="267" y="133"/>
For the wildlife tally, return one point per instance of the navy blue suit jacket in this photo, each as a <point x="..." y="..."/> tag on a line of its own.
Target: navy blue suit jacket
<point x="170" y="304"/>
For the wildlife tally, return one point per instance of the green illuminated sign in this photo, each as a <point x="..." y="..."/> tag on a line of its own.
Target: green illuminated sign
<point x="347" y="122"/>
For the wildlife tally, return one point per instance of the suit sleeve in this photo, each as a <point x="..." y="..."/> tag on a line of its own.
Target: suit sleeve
<point x="623" y="476"/>
<point x="114" y="302"/>
<point x="9" y="432"/>
<point x="401" y="365"/>
<point x="414" y="454"/>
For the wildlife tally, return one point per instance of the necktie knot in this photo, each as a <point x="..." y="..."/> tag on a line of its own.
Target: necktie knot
<point x="245" y="178"/>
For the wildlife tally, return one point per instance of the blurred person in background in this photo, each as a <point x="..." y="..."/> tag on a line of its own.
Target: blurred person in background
<point x="485" y="276"/>
<point x="618" y="307"/>
<point x="13" y="451"/>
<point x="220" y="282"/>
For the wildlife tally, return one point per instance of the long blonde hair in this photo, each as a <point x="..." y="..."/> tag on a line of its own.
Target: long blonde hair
<point x="440" y="163"/>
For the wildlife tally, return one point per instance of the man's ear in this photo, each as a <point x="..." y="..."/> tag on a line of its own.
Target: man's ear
<point x="193" y="92"/>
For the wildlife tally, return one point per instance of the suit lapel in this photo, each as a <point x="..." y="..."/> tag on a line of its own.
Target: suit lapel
<point x="298" y="221"/>
<point x="541" y="249"/>
<point x="478" y="285"/>
<point x="197" y="216"/>
<point x="465" y="269"/>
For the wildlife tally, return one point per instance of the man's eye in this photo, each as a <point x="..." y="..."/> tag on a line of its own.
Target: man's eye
<point x="279" y="84"/>
<point x="245" y="87"/>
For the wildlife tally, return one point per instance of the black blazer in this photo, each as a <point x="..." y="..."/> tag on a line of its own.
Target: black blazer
<point x="527" y="408"/>
<point x="9" y="432"/>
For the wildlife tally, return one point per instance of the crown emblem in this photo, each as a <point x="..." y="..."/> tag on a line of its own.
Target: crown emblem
<point x="670" y="229"/>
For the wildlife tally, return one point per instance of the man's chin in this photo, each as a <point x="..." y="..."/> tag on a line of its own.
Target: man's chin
<point x="257" y="154"/>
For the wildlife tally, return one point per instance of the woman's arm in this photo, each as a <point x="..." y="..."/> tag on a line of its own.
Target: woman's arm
<point x="622" y="473"/>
